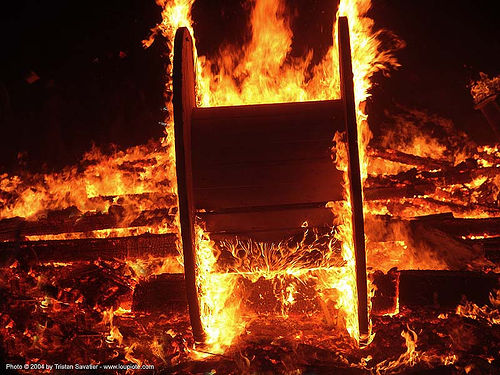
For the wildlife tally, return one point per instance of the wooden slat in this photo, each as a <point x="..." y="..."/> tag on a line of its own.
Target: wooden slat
<point x="464" y="227"/>
<point x="267" y="174"/>
<point x="398" y="192"/>
<point x="408" y="159"/>
<point x="269" y="236"/>
<point x="441" y="289"/>
<point x="445" y="288"/>
<point x="242" y="151"/>
<point x="272" y="119"/>
<point x="269" y="219"/>
<point x="328" y="189"/>
<point x="264" y="132"/>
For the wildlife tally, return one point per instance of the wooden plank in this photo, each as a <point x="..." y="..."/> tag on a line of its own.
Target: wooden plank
<point x="269" y="236"/>
<point x="490" y="246"/>
<point x="356" y="193"/>
<point x="265" y="174"/>
<point x="89" y="248"/>
<point x="160" y="198"/>
<point x="466" y="227"/>
<point x="491" y="111"/>
<point x="243" y="151"/>
<point x="271" y="195"/>
<point x="184" y="101"/>
<point x="278" y="110"/>
<point x="408" y="159"/>
<point x="281" y="122"/>
<point x="16" y="229"/>
<point x="264" y="132"/>
<point x="308" y="192"/>
<point x="266" y="219"/>
<point x="398" y="192"/>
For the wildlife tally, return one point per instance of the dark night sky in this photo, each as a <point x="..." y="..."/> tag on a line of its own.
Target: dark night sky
<point x="90" y="92"/>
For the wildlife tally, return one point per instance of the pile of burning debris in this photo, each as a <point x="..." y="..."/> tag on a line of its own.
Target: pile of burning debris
<point x="74" y="290"/>
<point x="92" y="271"/>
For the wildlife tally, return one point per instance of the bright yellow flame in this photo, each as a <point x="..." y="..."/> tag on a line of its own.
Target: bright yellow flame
<point x="219" y="312"/>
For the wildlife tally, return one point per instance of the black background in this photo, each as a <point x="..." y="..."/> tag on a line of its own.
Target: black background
<point x="98" y="85"/>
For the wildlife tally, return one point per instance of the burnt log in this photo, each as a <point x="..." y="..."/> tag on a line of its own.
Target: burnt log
<point x="445" y="222"/>
<point x="490" y="246"/>
<point x="408" y="159"/>
<point x="427" y="181"/>
<point x="160" y="199"/>
<point x="404" y="191"/>
<point x="442" y="290"/>
<point x="469" y="227"/>
<point x="88" y="249"/>
<point x="58" y="222"/>
<point x="491" y="111"/>
<point x="445" y="289"/>
<point x="385" y="299"/>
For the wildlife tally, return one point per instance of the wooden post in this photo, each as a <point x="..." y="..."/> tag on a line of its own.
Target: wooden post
<point x="184" y="101"/>
<point x="347" y="89"/>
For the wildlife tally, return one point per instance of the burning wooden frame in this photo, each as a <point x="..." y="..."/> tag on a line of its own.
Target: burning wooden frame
<point x="262" y="134"/>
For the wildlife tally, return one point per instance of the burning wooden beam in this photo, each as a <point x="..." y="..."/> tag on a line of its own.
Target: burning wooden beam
<point x="491" y="111"/>
<point x="161" y="293"/>
<point x="356" y="193"/>
<point x="408" y="159"/>
<point x="184" y="101"/>
<point x="89" y="248"/>
<point x="442" y="290"/>
<point x="73" y="222"/>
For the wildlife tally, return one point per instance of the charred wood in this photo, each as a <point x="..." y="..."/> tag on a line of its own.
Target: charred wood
<point x="408" y="159"/>
<point x="71" y="221"/>
<point x="162" y="293"/>
<point x="88" y="249"/>
<point x="443" y="290"/>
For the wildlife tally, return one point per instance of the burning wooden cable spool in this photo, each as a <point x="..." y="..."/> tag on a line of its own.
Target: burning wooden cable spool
<point x="271" y="161"/>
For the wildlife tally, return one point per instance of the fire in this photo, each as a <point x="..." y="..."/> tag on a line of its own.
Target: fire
<point x="219" y="316"/>
<point x="484" y="88"/>
<point x="123" y="184"/>
<point x="408" y="358"/>
<point x="263" y="72"/>
<point x="105" y="180"/>
<point x="491" y="314"/>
